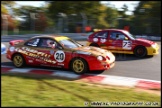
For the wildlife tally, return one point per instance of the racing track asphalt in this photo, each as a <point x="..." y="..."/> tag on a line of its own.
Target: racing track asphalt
<point x="126" y="66"/>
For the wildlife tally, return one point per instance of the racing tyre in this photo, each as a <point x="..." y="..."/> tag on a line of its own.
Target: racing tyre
<point x="140" y="51"/>
<point x="94" y="44"/>
<point x="79" y="66"/>
<point x="18" y="60"/>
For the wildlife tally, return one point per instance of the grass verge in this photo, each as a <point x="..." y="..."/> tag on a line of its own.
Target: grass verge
<point x="51" y="92"/>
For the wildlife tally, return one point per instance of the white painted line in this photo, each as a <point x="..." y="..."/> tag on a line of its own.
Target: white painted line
<point x="7" y="66"/>
<point x="122" y="77"/>
<point x="19" y="70"/>
<point x="65" y="74"/>
<point x="121" y="81"/>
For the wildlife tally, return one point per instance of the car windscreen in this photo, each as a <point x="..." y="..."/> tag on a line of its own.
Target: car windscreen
<point x="68" y="43"/>
<point x="130" y="35"/>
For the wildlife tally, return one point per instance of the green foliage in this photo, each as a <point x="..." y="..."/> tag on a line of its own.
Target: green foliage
<point x="95" y="12"/>
<point x="27" y="12"/>
<point x="148" y="18"/>
<point x="8" y="3"/>
<point x="102" y="18"/>
<point x="112" y="17"/>
<point x="73" y="7"/>
<point x="5" y="4"/>
<point x="70" y="14"/>
<point x="3" y="9"/>
<point x="50" y="22"/>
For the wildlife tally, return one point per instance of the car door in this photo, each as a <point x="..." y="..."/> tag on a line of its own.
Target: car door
<point x="55" y="56"/>
<point x="118" y="41"/>
<point x="101" y="38"/>
<point x="31" y="47"/>
<point x="46" y="52"/>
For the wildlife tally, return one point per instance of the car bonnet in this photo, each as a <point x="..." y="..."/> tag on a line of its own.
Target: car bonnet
<point x="95" y="51"/>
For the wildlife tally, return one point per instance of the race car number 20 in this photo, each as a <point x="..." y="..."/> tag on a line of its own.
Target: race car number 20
<point x="59" y="56"/>
<point x="127" y="44"/>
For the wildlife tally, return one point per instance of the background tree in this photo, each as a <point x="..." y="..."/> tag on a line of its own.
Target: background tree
<point x="34" y="17"/>
<point x="11" y="23"/>
<point x="112" y="17"/>
<point x="102" y="21"/>
<point x="124" y="19"/>
<point x="8" y="3"/>
<point x="147" y="18"/>
<point x="3" y="9"/>
<point x="92" y="10"/>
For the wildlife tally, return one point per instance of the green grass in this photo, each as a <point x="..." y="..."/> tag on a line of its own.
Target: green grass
<point x="51" y="92"/>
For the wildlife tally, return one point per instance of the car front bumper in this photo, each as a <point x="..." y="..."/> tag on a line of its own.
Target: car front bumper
<point x="153" y="51"/>
<point x="88" y="43"/>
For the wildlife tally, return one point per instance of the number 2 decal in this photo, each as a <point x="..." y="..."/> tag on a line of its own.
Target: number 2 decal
<point x="59" y="56"/>
<point x="127" y="44"/>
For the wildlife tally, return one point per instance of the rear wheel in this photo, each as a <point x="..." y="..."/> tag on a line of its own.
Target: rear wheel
<point x="79" y="66"/>
<point x="140" y="51"/>
<point x="18" y="60"/>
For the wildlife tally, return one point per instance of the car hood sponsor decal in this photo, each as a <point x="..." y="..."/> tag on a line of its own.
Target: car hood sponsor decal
<point x="90" y="50"/>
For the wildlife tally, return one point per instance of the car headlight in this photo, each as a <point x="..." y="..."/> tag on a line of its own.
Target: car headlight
<point x="101" y="58"/>
<point x="153" y="45"/>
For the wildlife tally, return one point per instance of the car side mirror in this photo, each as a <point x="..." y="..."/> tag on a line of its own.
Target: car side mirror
<point x="60" y="47"/>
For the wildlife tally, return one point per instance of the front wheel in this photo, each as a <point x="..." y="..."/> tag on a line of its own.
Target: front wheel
<point x="18" y="60"/>
<point x="140" y="51"/>
<point x="94" y="44"/>
<point x="79" y="66"/>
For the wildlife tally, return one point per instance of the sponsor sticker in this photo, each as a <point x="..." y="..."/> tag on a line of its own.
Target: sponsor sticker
<point x="103" y="40"/>
<point x="95" y="39"/>
<point x="30" y="61"/>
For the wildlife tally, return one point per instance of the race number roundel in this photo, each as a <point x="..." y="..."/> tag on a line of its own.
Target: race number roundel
<point x="59" y="56"/>
<point x="127" y="44"/>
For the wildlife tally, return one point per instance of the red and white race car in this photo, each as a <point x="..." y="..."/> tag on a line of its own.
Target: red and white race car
<point x="121" y="41"/>
<point x="59" y="51"/>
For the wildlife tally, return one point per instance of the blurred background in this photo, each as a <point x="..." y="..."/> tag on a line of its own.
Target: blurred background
<point x="138" y="17"/>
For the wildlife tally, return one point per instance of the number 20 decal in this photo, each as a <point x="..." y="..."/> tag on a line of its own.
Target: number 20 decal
<point x="59" y="56"/>
<point x="127" y="44"/>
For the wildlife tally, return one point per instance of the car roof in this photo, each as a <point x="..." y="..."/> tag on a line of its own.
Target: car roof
<point x="113" y="29"/>
<point x="55" y="36"/>
<point x="48" y="36"/>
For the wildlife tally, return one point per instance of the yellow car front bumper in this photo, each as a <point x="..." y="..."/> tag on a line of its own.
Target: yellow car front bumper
<point x="153" y="50"/>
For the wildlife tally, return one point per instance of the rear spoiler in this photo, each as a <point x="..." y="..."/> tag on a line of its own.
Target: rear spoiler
<point x="14" y="42"/>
